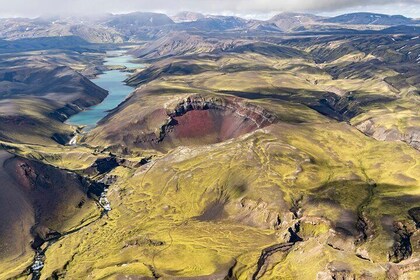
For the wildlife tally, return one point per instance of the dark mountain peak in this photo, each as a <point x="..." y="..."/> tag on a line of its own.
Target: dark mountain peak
<point x="295" y="15"/>
<point x="140" y="19"/>
<point x="289" y="21"/>
<point x="370" y="19"/>
<point x="232" y="20"/>
<point x="402" y="29"/>
<point x="215" y="23"/>
<point x="362" y="14"/>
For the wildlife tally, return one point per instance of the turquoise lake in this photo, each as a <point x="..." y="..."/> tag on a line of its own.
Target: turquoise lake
<point x="113" y="82"/>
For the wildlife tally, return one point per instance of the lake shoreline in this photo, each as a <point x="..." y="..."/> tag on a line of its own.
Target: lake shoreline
<point x="120" y="66"/>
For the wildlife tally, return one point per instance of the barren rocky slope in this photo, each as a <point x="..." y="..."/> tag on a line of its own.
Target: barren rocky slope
<point x="38" y="93"/>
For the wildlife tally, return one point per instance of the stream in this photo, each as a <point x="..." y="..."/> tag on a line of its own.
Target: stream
<point x="113" y="82"/>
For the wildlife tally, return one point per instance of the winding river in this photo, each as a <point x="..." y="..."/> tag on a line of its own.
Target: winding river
<point x="113" y="82"/>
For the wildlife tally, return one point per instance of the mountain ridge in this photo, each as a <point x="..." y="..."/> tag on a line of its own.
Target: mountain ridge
<point x="138" y="26"/>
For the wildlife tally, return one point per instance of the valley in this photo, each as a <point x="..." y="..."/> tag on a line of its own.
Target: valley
<point x="143" y="146"/>
<point x="112" y="81"/>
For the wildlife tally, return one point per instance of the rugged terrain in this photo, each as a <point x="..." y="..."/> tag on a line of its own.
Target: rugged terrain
<point x="41" y="89"/>
<point x="279" y="149"/>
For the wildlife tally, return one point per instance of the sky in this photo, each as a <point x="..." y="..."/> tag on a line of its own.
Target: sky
<point x="246" y="8"/>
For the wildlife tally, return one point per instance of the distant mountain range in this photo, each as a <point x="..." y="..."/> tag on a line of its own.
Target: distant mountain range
<point x="371" y="19"/>
<point x="139" y="26"/>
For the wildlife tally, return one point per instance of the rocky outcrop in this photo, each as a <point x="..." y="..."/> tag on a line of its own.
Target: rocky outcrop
<point x="338" y="270"/>
<point x="266" y="253"/>
<point x="411" y="135"/>
<point x="345" y="106"/>
<point x="415" y="215"/>
<point x="401" y="249"/>
<point x="257" y="114"/>
<point x="102" y="166"/>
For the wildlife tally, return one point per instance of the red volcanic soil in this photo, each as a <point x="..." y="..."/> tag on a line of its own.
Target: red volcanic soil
<point x="218" y="124"/>
<point x="196" y="124"/>
<point x="35" y="200"/>
<point x="16" y="217"/>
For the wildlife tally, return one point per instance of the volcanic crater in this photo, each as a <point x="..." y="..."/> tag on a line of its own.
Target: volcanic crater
<point x="209" y="120"/>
